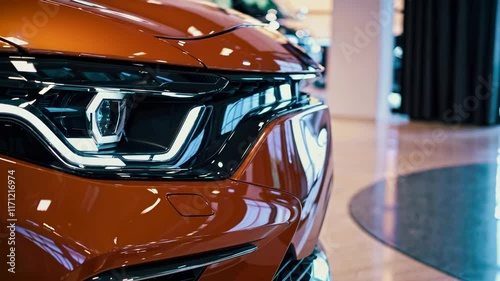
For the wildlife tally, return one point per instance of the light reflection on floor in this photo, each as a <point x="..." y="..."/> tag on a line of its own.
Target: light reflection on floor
<point x="444" y="218"/>
<point x="366" y="152"/>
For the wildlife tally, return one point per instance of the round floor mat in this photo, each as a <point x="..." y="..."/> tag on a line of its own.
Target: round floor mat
<point x="447" y="218"/>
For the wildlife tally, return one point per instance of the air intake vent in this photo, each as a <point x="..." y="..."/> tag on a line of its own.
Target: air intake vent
<point x="187" y="268"/>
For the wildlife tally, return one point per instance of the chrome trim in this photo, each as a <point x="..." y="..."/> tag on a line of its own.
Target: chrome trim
<point x="83" y="144"/>
<point x="191" y="262"/>
<point x="91" y="114"/>
<point x="145" y="157"/>
<point x="108" y="161"/>
<point x="303" y="76"/>
<point x="187" y="129"/>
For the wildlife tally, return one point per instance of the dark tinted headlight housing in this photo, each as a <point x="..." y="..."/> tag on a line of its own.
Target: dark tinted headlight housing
<point x="135" y="119"/>
<point x="82" y="109"/>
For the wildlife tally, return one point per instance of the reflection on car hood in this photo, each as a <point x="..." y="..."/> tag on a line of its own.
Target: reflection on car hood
<point x="157" y="31"/>
<point x="177" y="19"/>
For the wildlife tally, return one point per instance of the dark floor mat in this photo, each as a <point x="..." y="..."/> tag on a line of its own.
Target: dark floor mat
<point x="446" y="218"/>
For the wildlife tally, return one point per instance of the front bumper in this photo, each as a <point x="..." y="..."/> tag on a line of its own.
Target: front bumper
<point x="89" y="227"/>
<point x="314" y="267"/>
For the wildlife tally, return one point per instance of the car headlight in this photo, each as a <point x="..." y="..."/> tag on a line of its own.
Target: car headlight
<point x="82" y="109"/>
<point x="138" y="121"/>
<point x="107" y="116"/>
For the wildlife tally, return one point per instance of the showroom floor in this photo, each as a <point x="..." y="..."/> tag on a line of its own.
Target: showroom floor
<point x="365" y="153"/>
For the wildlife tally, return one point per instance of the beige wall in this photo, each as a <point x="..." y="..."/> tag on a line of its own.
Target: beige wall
<point x="319" y="17"/>
<point x="359" y="76"/>
<point x="313" y="5"/>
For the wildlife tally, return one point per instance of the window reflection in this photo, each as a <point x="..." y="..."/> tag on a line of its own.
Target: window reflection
<point x="310" y="147"/>
<point x="236" y="111"/>
<point x="50" y="247"/>
<point x="192" y="149"/>
<point x="258" y="213"/>
<point x="288" y="66"/>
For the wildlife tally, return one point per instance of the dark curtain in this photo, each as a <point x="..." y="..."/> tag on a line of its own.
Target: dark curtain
<point x="451" y="61"/>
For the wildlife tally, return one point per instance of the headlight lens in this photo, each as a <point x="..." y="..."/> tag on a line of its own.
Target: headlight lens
<point x="88" y="124"/>
<point x="136" y="121"/>
<point x="106" y="117"/>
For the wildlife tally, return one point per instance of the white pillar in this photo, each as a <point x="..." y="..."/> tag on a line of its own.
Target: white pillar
<point x="360" y="59"/>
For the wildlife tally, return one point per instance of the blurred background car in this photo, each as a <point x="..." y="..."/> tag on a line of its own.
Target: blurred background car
<point x="282" y="16"/>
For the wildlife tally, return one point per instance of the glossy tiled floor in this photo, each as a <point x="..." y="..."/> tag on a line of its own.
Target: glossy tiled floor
<point x="447" y="218"/>
<point x="366" y="152"/>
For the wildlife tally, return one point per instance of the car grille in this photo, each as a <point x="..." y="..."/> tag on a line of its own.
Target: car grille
<point x="294" y="270"/>
<point x="304" y="269"/>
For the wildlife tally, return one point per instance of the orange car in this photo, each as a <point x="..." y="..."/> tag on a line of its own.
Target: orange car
<point x="157" y="140"/>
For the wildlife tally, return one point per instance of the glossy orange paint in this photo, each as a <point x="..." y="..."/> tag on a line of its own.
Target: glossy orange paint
<point x="235" y="51"/>
<point x="294" y="156"/>
<point x="164" y="32"/>
<point x="190" y="205"/>
<point x="90" y="226"/>
<point x="72" y="228"/>
<point x="47" y="27"/>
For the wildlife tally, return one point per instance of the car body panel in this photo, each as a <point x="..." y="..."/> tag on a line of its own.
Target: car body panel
<point x="259" y="265"/>
<point x="295" y="157"/>
<point x="42" y="27"/>
<point x="92" y="226"/>
<point x="95" y="29"/>
<point x="174" y="19"/>
<point x="235" y="50"/>
<point x="72" y="225"/>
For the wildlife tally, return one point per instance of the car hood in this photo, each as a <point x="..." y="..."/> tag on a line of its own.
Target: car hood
<point x="184" y="33"/>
